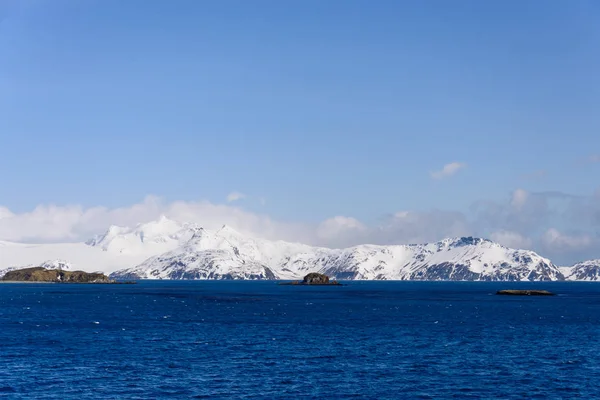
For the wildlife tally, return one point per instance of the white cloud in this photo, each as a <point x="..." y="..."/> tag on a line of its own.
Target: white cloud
<point x="49" y="223"/>
<point x="5" y="212"/>
<point x="235" y="196"/>
<point x="511" y="239"/>
<point x="556" y="241"/>
<point x="524" y="212"/>
<point x="519" y="198"/>
<point x="516" y="222"/>
<point x="75" y="223"/>
<point x="340" y="231"/>
<point x="448" y="170"/>
<point x="420" y="227"/>
<point x="594" y="158"/>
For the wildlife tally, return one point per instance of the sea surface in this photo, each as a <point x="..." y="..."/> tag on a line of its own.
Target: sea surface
<point x="251" y="340"/>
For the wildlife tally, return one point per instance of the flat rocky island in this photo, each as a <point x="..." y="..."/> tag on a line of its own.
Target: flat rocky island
<point x="40" y="274"/>
<point x="525" y="293"/>
<point x="314" y="278"/>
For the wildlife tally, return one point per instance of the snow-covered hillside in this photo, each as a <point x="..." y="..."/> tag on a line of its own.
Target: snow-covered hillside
<point x="165" y="249"/>
<point x="583" y="271"/>
<point x="227" y="254"/>
<point x="467" y="258"/>
<point x="145" y="239"/>
<point x="221" y="254"/>
<point x="118" y="248"/>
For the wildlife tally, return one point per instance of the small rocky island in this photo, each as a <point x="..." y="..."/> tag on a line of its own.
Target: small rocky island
<point x="525" y="293"/>
<point x="314" y="278"/>
<point x="41" y="274"/>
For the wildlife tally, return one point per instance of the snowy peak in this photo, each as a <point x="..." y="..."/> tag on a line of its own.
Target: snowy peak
<point x="203" y="239"/>
<point x="227" y="231"/>
<point x="157" y="229"/>
<point x="461" y="242"/>
<point x="112" y="232"/>
<point x="584" y="271"/>
<point x="57" y="264"/>
<point x="469" y="241"/>
<point x="225" y="252"/>
<point x="168" y="249"/>
<point x="197" y="234"/>
<point x="149" y="238"/>
<point x="449" y="259"/>
<point x="164" y="235"/>
<point x="225" y="228"/>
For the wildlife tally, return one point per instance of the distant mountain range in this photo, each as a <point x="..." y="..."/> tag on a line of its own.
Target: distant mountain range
<point x="166" y="249"/>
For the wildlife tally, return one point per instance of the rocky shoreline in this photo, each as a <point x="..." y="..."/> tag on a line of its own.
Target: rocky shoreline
<point x="43" y="275"/>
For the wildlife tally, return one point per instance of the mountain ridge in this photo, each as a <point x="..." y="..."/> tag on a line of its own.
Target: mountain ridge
<point x="166" y="249"/>
<point x="584" y="271"/>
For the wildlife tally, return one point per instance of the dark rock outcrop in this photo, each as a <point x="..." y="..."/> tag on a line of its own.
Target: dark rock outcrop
<point x="40" y="274"/>
<point x="314" y="278"/>
<point x="525" y="292"/>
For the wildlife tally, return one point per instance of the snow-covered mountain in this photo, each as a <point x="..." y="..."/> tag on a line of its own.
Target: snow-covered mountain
<point x="145" y="239"/>
<point x="221" y="254"/>
<point x="466" y="258"/>
<point x="118" y="248"/>
<point x="583" y="271"/>
<point x="165" y="249"/>
<point x="227" y="254"/>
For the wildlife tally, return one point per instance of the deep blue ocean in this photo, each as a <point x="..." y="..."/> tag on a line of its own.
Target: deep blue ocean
<point x="240" y="339"/>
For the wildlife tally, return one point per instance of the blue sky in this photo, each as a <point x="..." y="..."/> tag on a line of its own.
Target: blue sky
<point x="312" y="109"/>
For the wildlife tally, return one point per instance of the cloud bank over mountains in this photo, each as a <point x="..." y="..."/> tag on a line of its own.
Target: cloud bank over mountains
<point x="554" y="224"/>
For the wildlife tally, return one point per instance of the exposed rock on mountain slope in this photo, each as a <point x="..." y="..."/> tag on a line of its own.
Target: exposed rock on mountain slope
<point x="468" y="258"/>
<point x="206" y="255"/>
<point x="165" y="249"/>
<point x="584" y="271"/>
<point x="227" y="254"/>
